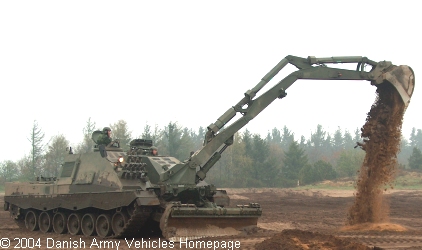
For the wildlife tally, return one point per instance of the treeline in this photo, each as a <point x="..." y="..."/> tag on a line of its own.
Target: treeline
<point x="279" y="160"/>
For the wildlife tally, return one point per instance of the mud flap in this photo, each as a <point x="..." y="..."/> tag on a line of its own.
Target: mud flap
<point x="182" y="222"/>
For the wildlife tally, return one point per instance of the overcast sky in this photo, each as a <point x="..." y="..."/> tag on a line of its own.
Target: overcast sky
<point x="62" y="62"/>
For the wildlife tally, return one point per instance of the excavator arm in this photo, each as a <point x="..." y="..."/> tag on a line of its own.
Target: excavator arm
<point x="217" y="140"/>
<point x="196" y="213"/>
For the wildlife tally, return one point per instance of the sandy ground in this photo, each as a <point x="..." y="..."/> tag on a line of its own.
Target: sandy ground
<point x="301" y="213"/>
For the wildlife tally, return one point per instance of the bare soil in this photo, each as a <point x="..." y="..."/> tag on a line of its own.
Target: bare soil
<point x="292" y="219"/>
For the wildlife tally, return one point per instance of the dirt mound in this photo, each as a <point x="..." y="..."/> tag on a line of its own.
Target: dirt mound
<point x="381" y="136"/>
<point x="297" y="240"/>
<point x="375" y="227"/>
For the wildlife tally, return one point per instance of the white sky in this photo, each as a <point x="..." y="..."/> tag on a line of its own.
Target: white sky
<point x="62" y="62"/>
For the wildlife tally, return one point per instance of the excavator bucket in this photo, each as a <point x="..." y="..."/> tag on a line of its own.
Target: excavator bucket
<point x="181" y="222"/>
<point x="402" y="78"/>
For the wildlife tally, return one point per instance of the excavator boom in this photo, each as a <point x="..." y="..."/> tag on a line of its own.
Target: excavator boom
<point x="402" y="78"/>
<point x="212" y="220"/>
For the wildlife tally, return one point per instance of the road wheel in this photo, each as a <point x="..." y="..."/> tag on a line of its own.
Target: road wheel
<point x="103" y="225"/>
<point x="118" y="222"/>
<point x="88" y="224"/>
<point x="44" y="222"/>
<point x="74" y="224"/>
<point x="59" y="223"/>
<point x="31" y="220"/>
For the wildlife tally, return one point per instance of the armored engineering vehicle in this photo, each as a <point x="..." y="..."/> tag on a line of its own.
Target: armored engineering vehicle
<point x="112" y="193"/>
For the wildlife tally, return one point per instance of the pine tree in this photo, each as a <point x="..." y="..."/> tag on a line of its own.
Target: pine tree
<point x="415" y="159"/>
<point x="157" y="137"/>
<point x="349" y="162"/>
<point x="316" y="144"/>
<point x="338" y="140"/>
<point x="294" y="160"/>
<point x="259" y="156"/>
<point x="121" y="132"/>
<point x="247" y="140"/>
<point x="235" y="168"/>
<point x="306" y="175"/>
<point x="302" y="142"/>
<point x="349" y="143"/>
<point x="318" y="138"/>
<point x="269" y="137"/>
<point x="55" y="155"/>
<point x="327" y="148"/>
<point x="413" y="140"/>
<point x="186" y="144"/>
<point x="147" y="132"/>
<point x="416" y="138"/>
<point x="37" y="150"/>
<point x="87" y="143"/>
<point x="276" y="136"/>
<point x="323" y="171"/>
<point x="405" y="152"/>
<point x="274" y="164"/>
<point x="199" y="141"/>
<point x="287" y="138"/>
<point x="172" y="138"/>
<point x="357" y="136"/>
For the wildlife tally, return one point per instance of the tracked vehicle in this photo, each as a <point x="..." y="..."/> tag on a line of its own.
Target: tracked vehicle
<point x="113" y="193"/>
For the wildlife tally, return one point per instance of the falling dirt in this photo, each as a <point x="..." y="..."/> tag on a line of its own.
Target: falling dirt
<point x="381" y="136"/>
<point x="294" y="239"/>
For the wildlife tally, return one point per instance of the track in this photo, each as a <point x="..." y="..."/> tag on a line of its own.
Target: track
<point x="136" y="222"/>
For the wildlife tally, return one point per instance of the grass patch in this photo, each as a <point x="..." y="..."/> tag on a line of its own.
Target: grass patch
<point x="338" y="184"/>
<point x="326" y="186"/>
<point x="408" y="180"/>
<point x="415" y="187"/>
<point x="405" y="180"/>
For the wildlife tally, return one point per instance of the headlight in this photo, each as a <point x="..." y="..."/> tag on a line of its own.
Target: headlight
<point x="120" y="159"/>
